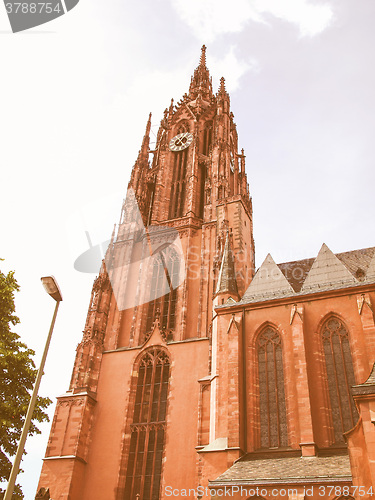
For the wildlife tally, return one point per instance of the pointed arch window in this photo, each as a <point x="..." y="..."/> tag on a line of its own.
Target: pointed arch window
<point x="202" y="185"/>
<point x="273" y="423"/>
<point x="163" y="291"/>
<point x="340" y="376"/>
<point x="148" y="428"/>
<point x="207" y="138"/>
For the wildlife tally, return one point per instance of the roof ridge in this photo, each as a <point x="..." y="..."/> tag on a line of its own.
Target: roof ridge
<point x="337" y="255"/>
<point x="355" y="262"/>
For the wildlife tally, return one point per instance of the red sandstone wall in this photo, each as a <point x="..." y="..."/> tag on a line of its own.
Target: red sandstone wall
<point x="189" y="363"/>
<point x="315" y="311"/>
<point x="359" y="460"/>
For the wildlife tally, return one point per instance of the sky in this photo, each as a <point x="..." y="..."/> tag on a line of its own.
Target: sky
<point x="75" y="98"/>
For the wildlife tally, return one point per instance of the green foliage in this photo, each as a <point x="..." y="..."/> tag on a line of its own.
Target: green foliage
<point x="17" y="376"/>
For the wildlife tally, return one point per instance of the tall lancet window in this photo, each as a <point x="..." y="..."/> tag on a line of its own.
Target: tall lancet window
<point x="207" y="138"/>
<point x="163" y="291"/>
<point x="148" y="428"/>
<point x="340" y="376"/>
<point x="202" y="185"/>
<point x="273" y="424"/>
<point x="179" y="179"/>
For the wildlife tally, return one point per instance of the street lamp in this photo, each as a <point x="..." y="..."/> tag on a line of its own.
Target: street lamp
<point x="52" y="288"/>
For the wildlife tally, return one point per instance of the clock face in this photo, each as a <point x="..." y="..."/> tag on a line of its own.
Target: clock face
<point x="181" y="141"/>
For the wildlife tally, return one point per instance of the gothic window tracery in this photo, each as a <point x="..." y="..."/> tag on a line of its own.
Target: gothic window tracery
<point x="178" y="187"/>
<point x="340" y="376"/>
<point x="148" y="428"/>
<point x="273" y="423"/>
<point x="182" y="126"/>
<point x="163" y="291"/>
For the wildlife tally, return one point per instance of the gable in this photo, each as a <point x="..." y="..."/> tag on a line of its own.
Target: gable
<point x="268" y="283"/>
<point x="326" y="272"/>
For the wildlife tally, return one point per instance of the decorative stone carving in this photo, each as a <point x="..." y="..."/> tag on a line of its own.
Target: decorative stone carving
<point x="43" y="494"/>
<point x="101" y="283"/>
<point x="71" y="402"/>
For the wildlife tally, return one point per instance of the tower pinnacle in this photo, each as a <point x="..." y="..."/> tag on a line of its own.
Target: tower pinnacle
<point x="226" y="282"/>
<point x="222" y="84"/>
<point x="202" y="61"/>
<point x="140" y="168"/>
<point x="143" y="152"/>
<point x="201" y="81"/>
<point x="146" y="137"/>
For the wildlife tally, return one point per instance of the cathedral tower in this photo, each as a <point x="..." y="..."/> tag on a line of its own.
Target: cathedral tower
<point x="142" y="404"/>
<point x="194" y="377"/>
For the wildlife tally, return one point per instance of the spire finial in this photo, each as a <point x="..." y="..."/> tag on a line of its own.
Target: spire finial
<point x="146" y="139"/>
<point x="202" y="61"/>
<point x="222" y="84"/>
<point x="113" y="234"/>
<point x="200" y="82"/>
<point x="148" y="127"/>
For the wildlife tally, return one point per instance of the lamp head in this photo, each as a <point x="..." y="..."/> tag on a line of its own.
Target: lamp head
<point x="52" y="288"/>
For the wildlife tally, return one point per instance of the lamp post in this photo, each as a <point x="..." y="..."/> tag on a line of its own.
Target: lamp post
<point x="52" y="288"/>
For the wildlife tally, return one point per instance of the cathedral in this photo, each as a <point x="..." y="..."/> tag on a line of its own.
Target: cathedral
<point x="197" y="375"/>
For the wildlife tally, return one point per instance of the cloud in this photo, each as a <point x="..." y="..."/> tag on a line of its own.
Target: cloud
<point x="231" y="68"/>
<point x="209" y="19"/>
<point x="311" y="19"/>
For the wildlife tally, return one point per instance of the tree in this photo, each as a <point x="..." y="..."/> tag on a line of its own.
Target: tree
<point x="17" y="376"/>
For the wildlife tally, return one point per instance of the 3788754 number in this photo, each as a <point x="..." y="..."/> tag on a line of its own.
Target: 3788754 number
<point x="32" y="8"/>
<point x="360" y="491"/>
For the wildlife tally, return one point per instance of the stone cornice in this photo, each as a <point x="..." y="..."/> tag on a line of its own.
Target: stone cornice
<point x="296" y="298"/>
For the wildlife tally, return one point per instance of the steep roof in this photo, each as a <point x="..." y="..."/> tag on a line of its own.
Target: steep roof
<point x="325" y="272"/>
<point x="357" y="260"/>
<point x="370" y="273"/>
<point x="250" y="471"/>
<point x="295" y="272"/>
<point x="268" y="281"/>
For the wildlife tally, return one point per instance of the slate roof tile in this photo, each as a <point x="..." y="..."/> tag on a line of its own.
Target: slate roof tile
<point x="356" y="261"/>
<point x="287" y="469"/>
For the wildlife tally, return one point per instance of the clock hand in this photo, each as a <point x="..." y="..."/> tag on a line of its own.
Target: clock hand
<point x="180" y="141"/>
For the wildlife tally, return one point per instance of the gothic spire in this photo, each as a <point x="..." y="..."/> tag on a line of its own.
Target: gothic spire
<point x="201" y="82"/>
<point x="140" y="168"/>
<point x="226" y="282"/>
<point x="222" y="92"/>
<point x="143" y="153"/>
<point x="146" y="137"/>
